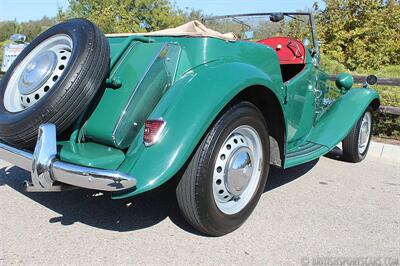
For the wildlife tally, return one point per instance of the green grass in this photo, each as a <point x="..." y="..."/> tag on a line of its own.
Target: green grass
<point x="390" y="96"/>
<point x="388" y="72"/>
<point x="333" y="67"/>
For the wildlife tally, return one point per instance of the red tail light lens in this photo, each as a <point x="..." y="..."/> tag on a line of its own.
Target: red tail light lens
<point x="152" y="131"/>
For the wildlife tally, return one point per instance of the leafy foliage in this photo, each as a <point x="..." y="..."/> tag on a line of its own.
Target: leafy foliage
<point x="30" y="28"/>
<point x="331" y="66"/>
<point x="125" y="15"/>
<point x="7" y="28"/>
<point x="359" y="36"/>
<point x="390" y="96"/>
<point x="360" y="33"/>
<point x="387" y="125"/>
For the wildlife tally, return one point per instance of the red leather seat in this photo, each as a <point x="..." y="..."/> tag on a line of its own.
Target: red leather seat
<point x="290" y="51"/>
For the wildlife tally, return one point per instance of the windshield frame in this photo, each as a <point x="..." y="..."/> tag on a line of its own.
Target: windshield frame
<point x="307" y="14"/>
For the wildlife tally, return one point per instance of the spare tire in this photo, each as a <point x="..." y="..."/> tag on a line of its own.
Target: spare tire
<point x="53" y="80"/>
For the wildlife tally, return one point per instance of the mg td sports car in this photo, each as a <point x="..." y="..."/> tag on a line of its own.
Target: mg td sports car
<point x="213" y="111"/>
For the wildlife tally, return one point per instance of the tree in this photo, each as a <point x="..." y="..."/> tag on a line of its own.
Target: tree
<point x="361" y="33"/>
<point x="125" y="15"/>
<point x="33" y="28"/>
<point x="7" y="28"/>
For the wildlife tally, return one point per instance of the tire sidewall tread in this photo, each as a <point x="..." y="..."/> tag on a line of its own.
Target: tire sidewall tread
<point x="71" y="95"/>
<point x="194" y="190"/>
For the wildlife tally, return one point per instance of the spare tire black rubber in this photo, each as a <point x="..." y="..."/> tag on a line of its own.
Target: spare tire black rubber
<point x="72" y="91"/>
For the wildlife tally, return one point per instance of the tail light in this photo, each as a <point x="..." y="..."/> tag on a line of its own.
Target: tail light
<point x="152" y="131"/>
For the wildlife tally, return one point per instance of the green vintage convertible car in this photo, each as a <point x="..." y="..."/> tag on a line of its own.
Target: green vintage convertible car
<point x="125" y="113"/>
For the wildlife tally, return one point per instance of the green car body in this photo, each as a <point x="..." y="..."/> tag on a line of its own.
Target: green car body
<point x="188" y="82"/>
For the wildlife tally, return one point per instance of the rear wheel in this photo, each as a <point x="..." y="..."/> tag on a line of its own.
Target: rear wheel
<point x="356" y="144"/>
<point x="227" y="174"/>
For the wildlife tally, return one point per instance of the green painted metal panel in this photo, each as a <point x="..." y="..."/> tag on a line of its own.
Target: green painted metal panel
<point x="129" y="70"/>
<point x="90" y="154"/>
<point x="335" y="124"/>
<point x="157" y="80"/>
<point x="134" y="65"/>
<point x="116" y="45"/>
<point x="189" y="108"/>
<point x="209" y="74"/>
<point x="300" y="105"/>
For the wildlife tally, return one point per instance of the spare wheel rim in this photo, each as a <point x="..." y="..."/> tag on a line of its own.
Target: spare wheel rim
<point x="38" y="73"/>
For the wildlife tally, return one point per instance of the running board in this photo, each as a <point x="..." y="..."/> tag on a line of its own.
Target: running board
<point x="305" y="153"/>
<point x="332" y="127"/>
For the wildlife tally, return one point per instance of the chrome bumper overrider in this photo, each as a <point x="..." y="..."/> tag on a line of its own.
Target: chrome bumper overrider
<point x="46" y="168"/>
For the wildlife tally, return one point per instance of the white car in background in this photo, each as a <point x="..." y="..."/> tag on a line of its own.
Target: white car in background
<point x="12" y="50"/>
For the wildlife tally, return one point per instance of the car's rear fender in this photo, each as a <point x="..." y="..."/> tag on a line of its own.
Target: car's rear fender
<point x="189" y="108"/>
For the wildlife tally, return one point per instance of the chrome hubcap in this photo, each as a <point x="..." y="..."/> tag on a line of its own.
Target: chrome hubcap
<point x="365" y="132"/>
<point x="37" y="73"/>
<point x="237" y="170"/>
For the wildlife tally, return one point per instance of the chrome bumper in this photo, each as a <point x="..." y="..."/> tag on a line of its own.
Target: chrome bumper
<point x="46" y="169"/>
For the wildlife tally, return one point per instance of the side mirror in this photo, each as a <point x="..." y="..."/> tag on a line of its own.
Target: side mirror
<point x="18" y="38"/>
<point x="276" y="17"/>
<point x="344" y="82"/>
<point x="371" y="80"/>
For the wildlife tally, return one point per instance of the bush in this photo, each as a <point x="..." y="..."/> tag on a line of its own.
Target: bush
<point x="390" y="96"/>
<point x="332" y="67"/>
<point x="387" y="125"/>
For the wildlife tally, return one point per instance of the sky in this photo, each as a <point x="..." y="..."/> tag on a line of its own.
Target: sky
<point x="24" y="10"/>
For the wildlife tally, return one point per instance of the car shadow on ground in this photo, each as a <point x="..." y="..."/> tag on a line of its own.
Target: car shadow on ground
<point x="336" y="154"/>
<point x="143" y="211"/>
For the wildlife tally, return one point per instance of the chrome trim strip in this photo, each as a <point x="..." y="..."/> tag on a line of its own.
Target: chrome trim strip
<point x="17" y="157"/>
<point x="46" y="169"/>
<point x="86" y="177"/>
<point x="164" y="46"/>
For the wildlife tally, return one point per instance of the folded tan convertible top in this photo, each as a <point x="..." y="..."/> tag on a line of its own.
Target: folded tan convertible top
<point x="193" y="28"/>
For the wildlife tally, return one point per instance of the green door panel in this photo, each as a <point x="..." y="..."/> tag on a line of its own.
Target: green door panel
<point x="300" y="109"/>
<point x="333" y="126"/>
<point x="189" y="107"/>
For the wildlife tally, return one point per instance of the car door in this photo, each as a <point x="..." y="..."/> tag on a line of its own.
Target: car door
<point x="301" y="108"/>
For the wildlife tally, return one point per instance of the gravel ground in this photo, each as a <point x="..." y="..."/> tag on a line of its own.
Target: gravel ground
<point x="324" y="210"/>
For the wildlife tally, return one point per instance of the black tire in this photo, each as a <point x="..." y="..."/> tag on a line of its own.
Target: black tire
<point x="194" y="190"/>
<point x="350" y="149"/>
<point x="71" y="94"/>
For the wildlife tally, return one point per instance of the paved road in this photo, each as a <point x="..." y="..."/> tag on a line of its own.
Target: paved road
<point x="326" y="208"/>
